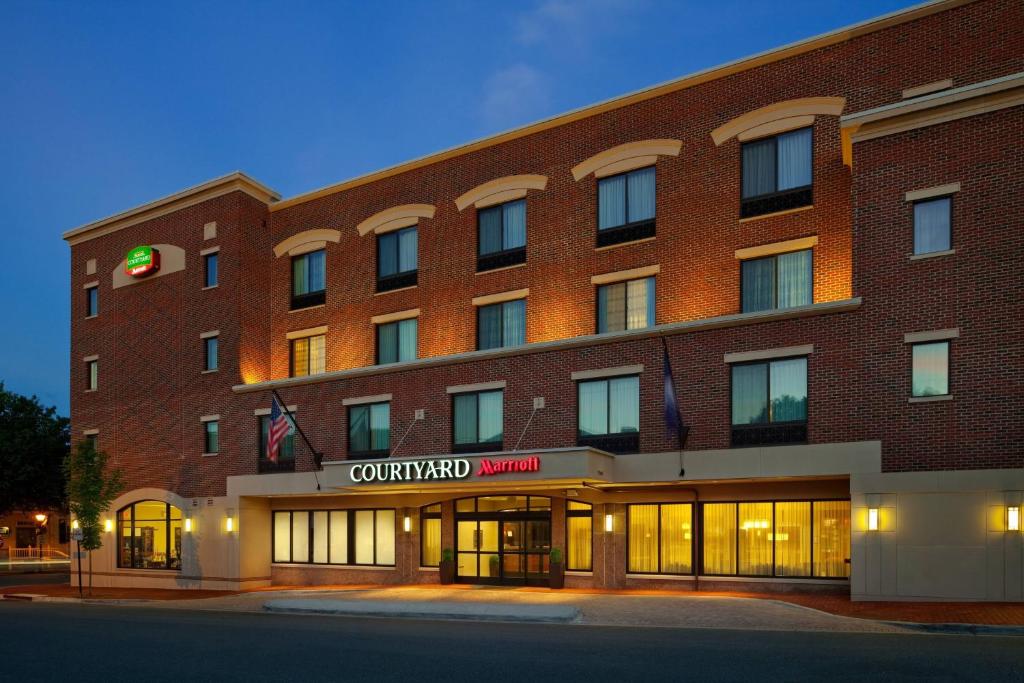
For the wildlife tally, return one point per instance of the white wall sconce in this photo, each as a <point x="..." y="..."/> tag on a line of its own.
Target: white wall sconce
<point x="108" y="525"/>
<point x="74" y="524"/>
<point x="229" y="522"/>
<point x="872" y="519"/>
<point x="407" y="524"/>
<point x="1013" y="518"/>
<point x="188" y="525"/>
<point x="609" y="523"/>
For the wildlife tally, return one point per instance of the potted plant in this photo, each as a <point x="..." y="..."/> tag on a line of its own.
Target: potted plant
<point x="557" y="570"/>
<point x="495" y="564"/>
<point x="447" y="566"/>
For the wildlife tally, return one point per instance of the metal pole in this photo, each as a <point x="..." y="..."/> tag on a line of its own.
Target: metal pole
<point x="318" y="457"/>
<point x="78" y="556"/>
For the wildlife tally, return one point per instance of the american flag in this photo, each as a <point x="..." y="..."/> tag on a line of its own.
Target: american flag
<point x="277" y="430"/>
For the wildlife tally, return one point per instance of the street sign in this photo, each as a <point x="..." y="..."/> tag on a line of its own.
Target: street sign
<point x="76" y="535"/>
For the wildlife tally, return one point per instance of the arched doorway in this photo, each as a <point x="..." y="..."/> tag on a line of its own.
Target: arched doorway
<point x="503" y="540"/>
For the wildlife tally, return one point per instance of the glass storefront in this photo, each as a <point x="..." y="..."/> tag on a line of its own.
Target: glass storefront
<point x="149" y="536"/>
<point x="503" y="539"/>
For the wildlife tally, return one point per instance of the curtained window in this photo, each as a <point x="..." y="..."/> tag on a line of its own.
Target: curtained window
<point x="396" y="252"/>
<point x="92" y="301"/>
<point x="792" y="538"/>
<point x="286" y="451"/>
<point x="149" y="536"/>
<point x="92" y="375"/>
<point x="778" y="281"/>
<point x="308" y="356"/>
<point x="211" y="436"/>
<point x="210" y="270"/>
<point x="502" y="227"/>
<point x="579" y="536"/>
<point x="369" y="428"/>
<point x="626" y="199"/>
<point x="309" y="279"/>
<point x="609" y="406"/>
<point x="755" y="539"/>
<point x="777" y="164"/>
<point x="430" y="535"/>
<point x="930" y="374"/>
<point x="501" y="325"/>
<point x="477" y="421"/>
<point x="719" y="534"/>
<point x="625" y="305"/>
<point x="396" y="341"/>
<point x="831" y="538"/>
<point x="932" y="225"/>
<point x="362" y="537"/>
<point x="769" y="392"/>
<point x="660" y="538"/>
<point x="210" y="345"/>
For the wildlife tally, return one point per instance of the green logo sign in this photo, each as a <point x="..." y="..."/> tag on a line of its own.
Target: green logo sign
<point x="142" y="261"/>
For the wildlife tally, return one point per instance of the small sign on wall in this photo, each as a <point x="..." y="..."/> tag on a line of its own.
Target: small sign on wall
<point x="142" y="261"/>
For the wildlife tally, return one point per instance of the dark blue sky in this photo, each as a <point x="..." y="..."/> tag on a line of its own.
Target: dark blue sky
<point x="106" y="105"/>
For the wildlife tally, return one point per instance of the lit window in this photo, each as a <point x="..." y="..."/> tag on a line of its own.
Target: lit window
<point x="625" y="305"/>
<point x="609" y="414"/>
<point x="780" y="281"/>
<point x="286" y="450"/>
<point x="92" y="301"/>
<point x="309" y="279"/>
<point x="396" y="341"/>
<point x="769" y="402"/>
<point x="210" y="346"/>
<point x="369" y="429"/>
<point x="149" y="536"/>
<point x="478" y="421"/>
<point x="626" y="207"/>
<point x="932" y="221"/>
<point x="661" y="539"/>
<point x="211" y="436"/>
<point x="777" y="173"/>
<point x="930" y="369"/>
<point x="210" y="270"/>
<point x="579" y="536"/>
<point x="501" y="235"/>
<point x="308" y="356"/>
<point x="353" y="537"/>
<point x="430" y="535"/>
<point x="92" y="375"/>
<point x="397" y="259"/>
<point x="501" y="325"/>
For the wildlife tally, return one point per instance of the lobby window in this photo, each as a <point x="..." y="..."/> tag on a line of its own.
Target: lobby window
<point x="149" y="536"/>
<point x="211" y="436"/>
<point x="352" y="537"/>
<point x="769" y="402"/>
<point x="430" y="535"/>
<point x="609" y="414"/>
<point x="308" y="356"/>
<point x="930" y="369"/>
<point x="396" y="341"/>
<point x="777" y="173"/>
<point x="92" y="301"/>
<point x="477" y="421"/>
<point x="92" y="375"/>
<point x="660" y="538"/>
<point x="501" y="235"/>
<point x="625" y="305"/>
<point x="210" y="270"/>
<point x="626" y="207"/>
<point x="579" y="536"/>
<point x="779" y="281"/>
<point x="396" y="259"/>
<point x="369" y="430"/>
<point x="210" y="346"/>
<point x="501" y="325"/>
<point x="286" y="451"/>
<point x="933" y="219"/>
<point x="778" y="539"/>
<point x="309" y="279"/>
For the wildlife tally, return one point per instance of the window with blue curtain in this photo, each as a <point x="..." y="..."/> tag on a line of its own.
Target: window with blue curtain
<point x="502" y="227"/>
<point x="92" y="301"/>
<point x="478" y="421"/>
<point x="778" y="281"/>
<point x="769" y="392"/>
<point x="501" y="325"/>
<point x="369" y="428"/>
<point x="777" y="172"/>
<point x="930" y="369"/>
<point x="396" y="341"/>
<point x="210" y="355"/>
<point x="210" y="270"/>
<point x="626" y="199"/>
<point x="609" y="406"/>
<point x="309" y="279"/>
<point x="625" y="305"/>
<point x="396" y="252"/>
<point x="932" y="223"/>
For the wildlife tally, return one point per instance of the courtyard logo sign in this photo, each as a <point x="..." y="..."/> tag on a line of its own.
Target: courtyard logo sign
<point x="438" y="470"/>
<point x="488" y="467"/>
<point x="142" y="261"/>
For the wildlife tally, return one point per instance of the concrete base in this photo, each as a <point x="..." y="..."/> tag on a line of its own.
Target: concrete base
<point x="479" y="611"/>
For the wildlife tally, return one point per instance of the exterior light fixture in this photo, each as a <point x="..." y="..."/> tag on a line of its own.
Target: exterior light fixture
<point x="407" y="524"/>
<point x="74" y="524"/>
<point x="609" y="523"/>
<point x="41" y="518"/>
<point x="229" y="522"/>
<point x="1013" y="518"/>
<point x="188" y="525"/>
<point x="872" y="519"/>
<point x="108" y="525"/>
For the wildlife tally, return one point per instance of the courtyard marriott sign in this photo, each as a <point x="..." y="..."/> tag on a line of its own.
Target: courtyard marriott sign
<point x="438" y="470"/>
<point x="141" y="261"/>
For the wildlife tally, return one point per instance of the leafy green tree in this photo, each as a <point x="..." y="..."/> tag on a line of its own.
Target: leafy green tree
<point x="34" y="442"/>
<point x="91" y="490"/>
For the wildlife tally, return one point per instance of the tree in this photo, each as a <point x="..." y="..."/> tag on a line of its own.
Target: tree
<point x="34" y="442"/>
<point x="91" y="489"/>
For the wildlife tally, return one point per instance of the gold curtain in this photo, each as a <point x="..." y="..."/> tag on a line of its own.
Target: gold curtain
<point x="430" y="539"/>
<point x="643" y="538"/>
<point x="831" y="538"/>
<point x="579" y="539"/>
<point x="676" y="539"/>
<point x="755" y="547"/>
<point x="793" y="539"/>
<point x="720" y="538"/>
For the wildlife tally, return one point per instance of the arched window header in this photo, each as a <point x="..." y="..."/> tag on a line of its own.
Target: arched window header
<point x="304" y="242"/>
<point x="778" y="117"/>
<point x="626" y="157"/>
<point x="395" y="218"/>
<point x="501" y="190"/>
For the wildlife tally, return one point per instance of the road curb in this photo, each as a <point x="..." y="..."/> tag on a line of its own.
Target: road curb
<point x="472" y="611"/>
<point x="960" y="629"/>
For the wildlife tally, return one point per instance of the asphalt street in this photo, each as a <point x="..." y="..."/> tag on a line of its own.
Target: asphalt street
<point x="22" y="578"/>
<point x="78" y="642"/>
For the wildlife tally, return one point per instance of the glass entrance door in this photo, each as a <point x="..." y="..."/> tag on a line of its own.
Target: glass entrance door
<point x="503" y="540"/>
<point x="525" y="546"/>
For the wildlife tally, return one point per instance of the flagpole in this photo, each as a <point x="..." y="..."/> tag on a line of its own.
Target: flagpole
<point x="318" y="457"/>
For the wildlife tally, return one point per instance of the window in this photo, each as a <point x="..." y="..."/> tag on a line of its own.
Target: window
<point x="286" y="451"/>
<point x="211" y="436"/>
<point x="777" y="173"/>
<point x="210" y="354"/>
<point x="396" y="259"/>
<point x="932" y="225"/>
<point x="775" y="539"/>
<point x="626" y="207"/>
<point x="309" y="279"/>
<point x="625" y="305"/>
<point x="396" y="341"/>
<point x="355" y="537"/>
<point x="210" y="270"/>
<point x="501" y="232"/>
<point x="769" y="402"/>
<point x="501" y="325"/>
<point x="149" y="536"/>
<point x="92" y="301"/>
<point x="92" y="375"/>
<point x="477" y="421"/>
<point x="930" y="369"/>
<point x="660" y="538"/>
<point x="307" y="356"/>
<point x="369" y="430"/>
<point x="430" y="535"/>
<point x="779" y="281"/>
<point x="579" y="536"/>
<point x="609" y="414"/>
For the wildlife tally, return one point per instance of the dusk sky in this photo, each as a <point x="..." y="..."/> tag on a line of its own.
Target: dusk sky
<point x="107" y="105"/>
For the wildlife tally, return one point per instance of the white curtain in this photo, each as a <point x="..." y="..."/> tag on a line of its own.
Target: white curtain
<point x="489" y="326"/>
<point x="611" y="307"/>
<point x="789" y="390"/>
<point x="593" y="408"/>
<point x="464" y="409"/>
<point x="407" y="244"/>
<point x="380" y="426"/>
<point x="758" y="277"/>
<point x="358" y="429"/>
<point x="387" y="254"/>
<point x="514" y="218"/>
<point x="611" y="202"/>
<point x="749" y="394"/>
<point x="317" y="271"/>
<point x="387" y="343"/>
<point x="490" y="230"/>
<point x="317" y="355"/>
<point x="795" y="276"/>
<point x="514" y="323"/>
<point x="300" y="283"/>
<point x="407" y="335"/>
<point x="637" y="304"/>
<point x="931" y="226"/>
<point x="641" y="193"/>
<point x="490" y="406"/>
<point x="758" y="168"/>
<point x="624" y="400"/>
<point x="795" y="159"/>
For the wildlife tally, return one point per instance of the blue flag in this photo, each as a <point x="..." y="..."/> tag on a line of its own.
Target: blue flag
<point x="672" y="426"/>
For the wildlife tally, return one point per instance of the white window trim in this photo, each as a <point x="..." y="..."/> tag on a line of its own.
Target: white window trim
<point x="394" y="317"/>
<point x="266" y="411"/>
<point x="930" y="399"/>
<point x="768" y="354"/>
<point x="930" y="192"/>
<point x="308" y="332"/>
<point x="479" y="386"/>
<point x="931" y="254"/>
<point x="931" y="335"/>
<point x="607" y="372"/>
<point x="623" y="275"/>
<point x="501" y="297"/>
<point x="777" y="248"/>
<point x="363" y="400"/>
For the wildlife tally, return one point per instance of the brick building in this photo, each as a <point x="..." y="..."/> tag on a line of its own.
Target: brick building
<point x="822" y="241"/>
